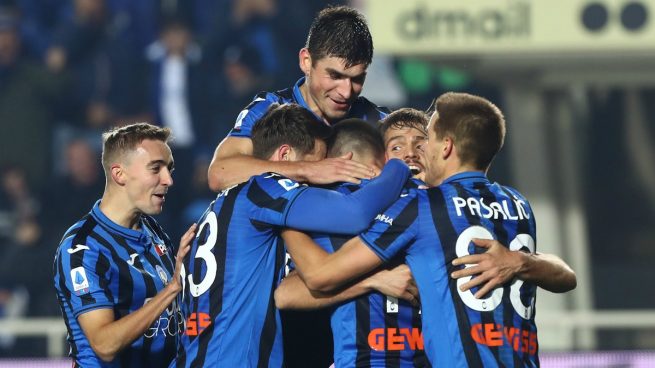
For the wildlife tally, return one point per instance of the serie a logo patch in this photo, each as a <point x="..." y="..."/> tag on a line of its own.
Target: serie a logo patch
<point x="80" y="281"/>
<point x="288" y="184"/>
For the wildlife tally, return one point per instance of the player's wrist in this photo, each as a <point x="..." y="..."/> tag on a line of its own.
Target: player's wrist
<point x="373" y="282"/>
<point x="522" y="262"/>
<point x="302" y="171"/>
<point x="173" y="288"/>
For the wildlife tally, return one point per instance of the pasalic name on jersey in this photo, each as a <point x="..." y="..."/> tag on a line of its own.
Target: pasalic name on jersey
<point x="495" y="210"/>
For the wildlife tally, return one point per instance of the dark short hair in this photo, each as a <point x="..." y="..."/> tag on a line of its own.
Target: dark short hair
<point x="289" y="124"/>
<point x="476" y="126"/>
<point x="357" y="136"/>
<point x="405" y="118"/>
<point x="340" y="31"/>
<point x="120" y="140"/>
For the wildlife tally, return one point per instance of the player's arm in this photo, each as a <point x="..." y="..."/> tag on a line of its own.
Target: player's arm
<point x="326" y="272"/>
<point x="108" y="336"/>
<point x="233" y="163"/>
<point x="328" y="211"/>
<point x="398" y="282"/>
<point x="499" y="265"/>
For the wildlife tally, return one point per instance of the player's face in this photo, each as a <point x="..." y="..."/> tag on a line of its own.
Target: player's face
<point x="407" y="144"/>
<point x="148" y="176"/>
<point x="433" y="162"/>
<point x="331" y="87"/>
<point x="318" y="153"/>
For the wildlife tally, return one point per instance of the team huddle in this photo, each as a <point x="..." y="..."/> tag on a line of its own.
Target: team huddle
<point x="388" y="219"/>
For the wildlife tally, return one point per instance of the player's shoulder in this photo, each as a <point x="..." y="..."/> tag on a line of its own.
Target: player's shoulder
<point x="274" y="182"/>
<point x="365" y="109"/>
<point x="256" y="109"/>
<point x="512" y="193"/>
<point x="414" y="183"/>
<point x="348" y="188"/>
<point x="407" y="203"/>
<point x="364" y="102"/>
<point x="264" y="99"/>
<point x="80" y="237"/>
<point x="411" y="191"/>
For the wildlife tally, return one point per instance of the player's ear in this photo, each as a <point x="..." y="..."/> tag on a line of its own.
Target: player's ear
<point x="117" y="173"/>
<point x="448" y="147"/>
<point x="284" y="153"/>
<point x="305" y="60"/>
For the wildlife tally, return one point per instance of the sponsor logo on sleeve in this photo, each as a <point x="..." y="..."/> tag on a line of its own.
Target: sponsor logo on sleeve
<point x="240" y="118"/>
<point x="80" y="281"/>
<point x="384" y="218"/>
<point x="288" y="184"/>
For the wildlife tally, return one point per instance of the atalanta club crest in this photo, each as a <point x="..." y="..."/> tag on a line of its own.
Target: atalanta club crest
<point x="162" y="274"/>
<point x="161" y="249"/>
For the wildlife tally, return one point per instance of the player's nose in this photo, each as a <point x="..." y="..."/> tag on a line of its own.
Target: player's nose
<point x="166" y="178"/>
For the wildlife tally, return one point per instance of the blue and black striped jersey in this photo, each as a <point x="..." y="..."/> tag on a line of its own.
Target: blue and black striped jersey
<point x="434" y="227"/>
<point x="374" y="330"/>
<point x="361" y="109"/>
<point x="237" y="260"/>
<point x="100" y="264"/>
<point x="233" y="267"/>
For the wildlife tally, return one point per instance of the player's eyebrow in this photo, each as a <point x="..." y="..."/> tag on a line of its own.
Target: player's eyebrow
<point x="395" y="138"/>
<point x="169" y="165"/>
<point x="339" y="74"/>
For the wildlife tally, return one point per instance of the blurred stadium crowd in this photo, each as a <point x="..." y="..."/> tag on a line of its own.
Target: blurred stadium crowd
<point x="71" y="69"/>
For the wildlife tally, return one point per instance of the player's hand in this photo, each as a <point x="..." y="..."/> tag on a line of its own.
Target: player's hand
<point x="397" y="282"/>
<point x="337" y="169"/>
<point x="493" y="268"/>
<point x="185" y="246"/>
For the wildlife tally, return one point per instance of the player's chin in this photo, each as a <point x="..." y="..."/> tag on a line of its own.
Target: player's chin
<point x="335" y="115"/>
<point x="155" y="207"/>
<point x="154" y="210"/>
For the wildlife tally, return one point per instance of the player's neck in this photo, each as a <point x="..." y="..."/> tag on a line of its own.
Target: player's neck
<point x="118" y="210"/>
<point x="304" y="91"/>
<point x="459" y="169"/>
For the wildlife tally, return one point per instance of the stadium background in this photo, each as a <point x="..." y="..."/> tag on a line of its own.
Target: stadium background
<point x="575" y="78"/>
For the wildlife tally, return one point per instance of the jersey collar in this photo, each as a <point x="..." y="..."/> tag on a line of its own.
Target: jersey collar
<point x="300" y="100"/>
<point x="465" y="176"/>
<point x="139" y="236"/>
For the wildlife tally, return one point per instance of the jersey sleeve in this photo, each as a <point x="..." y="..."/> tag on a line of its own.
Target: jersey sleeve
<point x="78" y="280"/>
<point x="251" y="114"/>
<point x="394" y="229"/>
<point x="271" y="196"/>
<point x="329" y="211"/>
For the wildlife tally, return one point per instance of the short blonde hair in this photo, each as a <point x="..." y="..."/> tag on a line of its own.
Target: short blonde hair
<point x="120" y="140"/>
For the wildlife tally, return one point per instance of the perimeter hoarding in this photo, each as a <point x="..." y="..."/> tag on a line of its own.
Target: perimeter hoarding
<point x="510" y="26"/>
